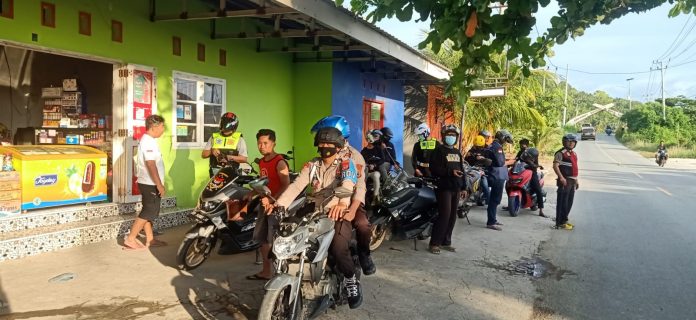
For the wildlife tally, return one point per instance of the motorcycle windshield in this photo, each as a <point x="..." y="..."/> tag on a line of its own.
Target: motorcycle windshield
<point x="518" y="168"/>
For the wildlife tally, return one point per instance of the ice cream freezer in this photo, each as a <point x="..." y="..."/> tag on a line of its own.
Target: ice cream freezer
<point x="57" y="175"/>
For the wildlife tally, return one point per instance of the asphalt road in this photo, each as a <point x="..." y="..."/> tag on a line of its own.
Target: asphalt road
<point x="632" y="254"/>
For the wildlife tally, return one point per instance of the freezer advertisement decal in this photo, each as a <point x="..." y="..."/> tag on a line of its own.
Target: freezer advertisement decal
<point x="60" y="182"/>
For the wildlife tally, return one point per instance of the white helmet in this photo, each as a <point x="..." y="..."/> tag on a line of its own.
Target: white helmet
<point x="422" y="130"/>
<point x="373" y="136"/>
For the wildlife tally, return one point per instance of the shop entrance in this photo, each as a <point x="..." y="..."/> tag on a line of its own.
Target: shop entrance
<point x="50" y="98"/>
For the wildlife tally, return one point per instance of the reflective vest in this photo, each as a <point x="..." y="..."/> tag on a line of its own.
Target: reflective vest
<point x="221" y="142"/>
<point x="429" y="144"/>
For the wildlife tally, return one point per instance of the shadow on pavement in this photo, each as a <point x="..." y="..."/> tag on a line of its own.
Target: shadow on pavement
<point x="4" y="303"/>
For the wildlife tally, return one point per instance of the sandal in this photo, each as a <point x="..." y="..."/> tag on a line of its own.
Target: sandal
<point x="435" y="249"/>
<point x="132" y="246"/>
<point x="449" y="248"/>
<point x="257" y="277"/>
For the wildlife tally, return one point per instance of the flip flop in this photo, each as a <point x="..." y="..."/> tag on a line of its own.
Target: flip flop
<point x="130" y="247"/>
<point x="157" y="243"/>
<point x="449" y="248"/>
<point x="435" y="249"/>
<point x="256" y="277"/>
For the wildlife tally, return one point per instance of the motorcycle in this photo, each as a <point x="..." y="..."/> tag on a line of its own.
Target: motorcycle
<point x="406" y="210"/>
<point x="306" y="281"/>
<point x="608" y="131"/>
<point x="519" y="191"/>
<point x="475" y="193"/>
<point x="661" y="158"/>
<point x="219" y="215"/>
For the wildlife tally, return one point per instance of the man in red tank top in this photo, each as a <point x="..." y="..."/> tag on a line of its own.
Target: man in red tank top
<point x="273" y="166"/>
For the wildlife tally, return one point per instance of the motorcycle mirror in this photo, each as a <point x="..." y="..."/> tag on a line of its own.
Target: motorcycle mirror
<point x="260" y="186"/>
<point x="343" y="192"/>
<point x="257" y="160"/>
<point x="289" y="152"/>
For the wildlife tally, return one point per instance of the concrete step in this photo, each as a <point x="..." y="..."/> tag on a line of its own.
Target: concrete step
<point x="22" y="243"/>
<point x="69" y="214"/>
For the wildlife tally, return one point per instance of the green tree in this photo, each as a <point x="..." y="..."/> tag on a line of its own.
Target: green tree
<point x="479" y="30"/>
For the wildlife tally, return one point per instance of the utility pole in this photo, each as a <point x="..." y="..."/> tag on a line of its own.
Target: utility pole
<point x="565" y="98"/>
<point x="629" y="93"/>
<point x="662" y="78"/>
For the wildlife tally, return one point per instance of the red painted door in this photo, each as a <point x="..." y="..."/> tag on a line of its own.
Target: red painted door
<point x="373" y="117"/>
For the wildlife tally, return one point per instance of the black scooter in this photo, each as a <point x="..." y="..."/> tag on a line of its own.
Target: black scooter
<point x="219" y="216"/>
<point x="406" y="210"/>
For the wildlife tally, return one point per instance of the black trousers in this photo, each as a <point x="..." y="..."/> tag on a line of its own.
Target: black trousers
<point x="340" y="248"/>
<point x="564" y="201"/>
<point x="447" y="201"/>
<point x="535" y="186"/>
<point x="363" y="234"/>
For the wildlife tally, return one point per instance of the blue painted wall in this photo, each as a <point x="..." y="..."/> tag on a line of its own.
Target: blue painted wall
<point x="351" y="86"/>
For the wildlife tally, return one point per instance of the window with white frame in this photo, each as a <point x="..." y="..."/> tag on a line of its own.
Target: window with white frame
<point x="198" y="105"/>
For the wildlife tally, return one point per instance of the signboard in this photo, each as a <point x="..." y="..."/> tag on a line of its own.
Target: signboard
<point x="484" y="93"/>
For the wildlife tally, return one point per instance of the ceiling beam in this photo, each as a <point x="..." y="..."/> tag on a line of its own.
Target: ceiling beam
<point x="282" y="34"/>
<point x="253" y="13"/>
<point x="321" y="48"/>
<point x="353" y="59"/>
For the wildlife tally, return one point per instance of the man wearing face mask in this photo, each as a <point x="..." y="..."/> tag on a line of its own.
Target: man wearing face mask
<point x="447" y="166"/>
<point x="356" y="212"/>
<point x="324" y="175"/>
<point x="497" y="174"/>
<point x="420" y="157"/>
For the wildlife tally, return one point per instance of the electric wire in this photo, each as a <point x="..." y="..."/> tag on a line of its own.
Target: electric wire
<point x="676" y="40"/>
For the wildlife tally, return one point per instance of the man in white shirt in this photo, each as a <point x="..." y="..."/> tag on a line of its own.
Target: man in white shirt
<point x="150" y="175"/>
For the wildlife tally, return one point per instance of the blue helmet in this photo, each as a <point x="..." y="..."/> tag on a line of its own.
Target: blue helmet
<point x="335" y="121"/>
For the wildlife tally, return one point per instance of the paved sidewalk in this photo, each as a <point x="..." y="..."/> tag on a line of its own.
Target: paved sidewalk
<point x="480" y="281"/>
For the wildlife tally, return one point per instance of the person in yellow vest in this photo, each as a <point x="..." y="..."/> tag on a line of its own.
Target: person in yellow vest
<point x="227" y="147"/>
<point x="420" y="157"/>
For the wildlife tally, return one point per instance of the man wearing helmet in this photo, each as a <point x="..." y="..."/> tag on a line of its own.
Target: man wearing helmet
<point x="487" y="136"/>
<point x="376" y="159"/>
<point x="497" y="174"/>
<point x="447" y="166"/>
<point x="478" y="157"/>
<point x="356" y="211"/>
<point x="387" y="135"/>
<point x="420" y="157"/>
<point x="225" y="146"/>
<point x="565" y="164"/>
<point x="530" y="156"/>
<point x="324" y="174"/>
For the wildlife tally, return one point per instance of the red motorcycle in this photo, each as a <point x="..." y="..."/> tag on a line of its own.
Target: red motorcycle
<point x="519" y="191"/>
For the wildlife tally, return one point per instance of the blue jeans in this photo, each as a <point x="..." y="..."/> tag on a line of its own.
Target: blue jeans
<point x="497" y="188"/>
<point x="486" y="188"/>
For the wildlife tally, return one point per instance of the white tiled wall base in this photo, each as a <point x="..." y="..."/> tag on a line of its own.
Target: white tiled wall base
<point x="96" y="227"/>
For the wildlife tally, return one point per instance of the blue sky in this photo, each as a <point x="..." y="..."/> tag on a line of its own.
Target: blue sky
<point x="629" y="44"/>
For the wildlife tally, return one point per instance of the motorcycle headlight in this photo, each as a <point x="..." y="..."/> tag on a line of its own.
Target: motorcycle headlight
<point x="516" y="180"/>
<point x="210" y="205"/>
<point x="286" y="247"/>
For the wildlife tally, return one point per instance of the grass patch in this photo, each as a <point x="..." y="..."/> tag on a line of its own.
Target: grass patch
<point x="647" y="149"/>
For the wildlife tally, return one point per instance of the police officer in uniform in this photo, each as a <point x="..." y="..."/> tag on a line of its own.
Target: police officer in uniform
<point x="420" y="157"/>
<point x="226" y="147"/>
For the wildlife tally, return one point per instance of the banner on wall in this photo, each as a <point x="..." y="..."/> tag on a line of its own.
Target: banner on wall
<point x="142" y="100"/>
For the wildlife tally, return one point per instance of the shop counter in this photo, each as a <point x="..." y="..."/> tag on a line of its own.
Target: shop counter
<point x="56" y="175"/>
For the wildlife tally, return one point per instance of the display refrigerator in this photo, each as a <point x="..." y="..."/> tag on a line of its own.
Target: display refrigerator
<point x="57" y="175"/>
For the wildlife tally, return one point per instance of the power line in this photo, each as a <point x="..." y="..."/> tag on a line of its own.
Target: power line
<point x="599" y="73"/>
<point x="672" y="47"/>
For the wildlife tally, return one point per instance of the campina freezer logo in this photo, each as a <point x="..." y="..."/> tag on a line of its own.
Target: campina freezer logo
<point x="45" y="180"/>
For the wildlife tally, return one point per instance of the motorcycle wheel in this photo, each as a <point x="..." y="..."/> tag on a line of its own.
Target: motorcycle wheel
<point x="662" y="162"/>
<point x="514" y="206"/>
<point x="380" y="232"/>
<point x="193" y="252"/>
<point x="276" y="305"/>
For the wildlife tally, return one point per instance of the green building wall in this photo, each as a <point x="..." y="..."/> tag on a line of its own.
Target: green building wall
<point x="266" y="90"/>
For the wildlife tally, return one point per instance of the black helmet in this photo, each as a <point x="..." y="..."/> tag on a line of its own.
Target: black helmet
<point x="503" y="136"/>
<point x="229" y="122"/>
<point x="569" y="137"/>
<point x="329" y="135"/>
<point x="387" y="133"/>
<point x="529" y="154"/>
<point x="485" y="133"/>
<point x="449" y="128"/>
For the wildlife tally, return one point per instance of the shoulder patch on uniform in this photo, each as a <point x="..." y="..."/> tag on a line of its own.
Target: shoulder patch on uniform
<point x="345" y="164"/>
